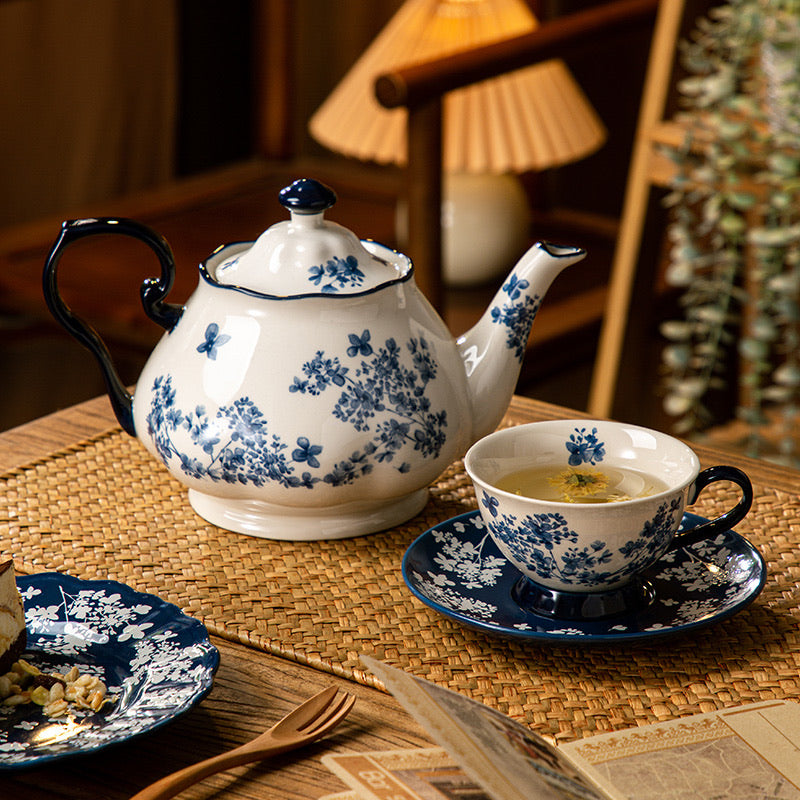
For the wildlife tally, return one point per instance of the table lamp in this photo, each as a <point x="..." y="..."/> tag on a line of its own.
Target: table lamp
<point x="531" y="119"/>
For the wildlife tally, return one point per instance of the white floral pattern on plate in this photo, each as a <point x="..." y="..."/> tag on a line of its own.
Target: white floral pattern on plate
<point x="456" y="569"/>
<point x="156" y="662"/>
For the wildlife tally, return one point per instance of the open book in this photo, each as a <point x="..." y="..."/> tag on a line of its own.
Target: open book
<point x="749" y="753"/>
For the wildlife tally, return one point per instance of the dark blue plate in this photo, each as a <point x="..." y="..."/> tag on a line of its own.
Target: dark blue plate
<point x="155" y="661"/>
<point x="456" y="569"/>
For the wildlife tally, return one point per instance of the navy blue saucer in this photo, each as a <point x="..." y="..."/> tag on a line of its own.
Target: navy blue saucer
<point x="456" y="569"/>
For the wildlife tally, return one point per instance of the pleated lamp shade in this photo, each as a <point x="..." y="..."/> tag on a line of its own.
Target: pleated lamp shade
<point x="532" y="119"/>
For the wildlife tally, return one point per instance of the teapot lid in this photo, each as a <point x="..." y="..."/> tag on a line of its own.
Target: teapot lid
<point x="309" y="255"/>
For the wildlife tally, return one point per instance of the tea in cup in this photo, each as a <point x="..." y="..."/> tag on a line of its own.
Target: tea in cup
<point x="583" y="507"/>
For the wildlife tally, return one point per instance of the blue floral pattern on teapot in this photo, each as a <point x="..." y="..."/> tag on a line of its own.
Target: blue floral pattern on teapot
<point x="235" y="444"/>
<point x="516" y="314"/>
<point x="340" y="272"/>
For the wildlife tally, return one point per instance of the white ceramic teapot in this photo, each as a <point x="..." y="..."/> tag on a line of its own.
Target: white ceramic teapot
<point x="307" y="389"/>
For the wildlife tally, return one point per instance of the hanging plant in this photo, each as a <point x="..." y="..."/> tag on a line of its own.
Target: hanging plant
<point x="734" y="230"/>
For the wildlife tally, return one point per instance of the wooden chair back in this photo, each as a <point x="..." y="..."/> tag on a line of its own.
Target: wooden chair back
<point x="419" y="88"/>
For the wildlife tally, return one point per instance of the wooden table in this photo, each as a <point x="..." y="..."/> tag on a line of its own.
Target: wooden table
<point x="252" y="688"/>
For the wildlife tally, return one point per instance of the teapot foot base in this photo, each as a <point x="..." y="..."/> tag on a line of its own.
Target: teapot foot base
<point x="289" y="523"/>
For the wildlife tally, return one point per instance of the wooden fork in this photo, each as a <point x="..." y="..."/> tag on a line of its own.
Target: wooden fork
<point x="307" y="722"/>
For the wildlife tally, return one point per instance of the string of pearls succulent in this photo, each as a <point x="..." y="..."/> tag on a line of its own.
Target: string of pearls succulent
<point x="734" y="230"/>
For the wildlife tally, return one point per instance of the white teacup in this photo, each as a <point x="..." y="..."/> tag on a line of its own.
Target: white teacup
<point x="590" y="547"/>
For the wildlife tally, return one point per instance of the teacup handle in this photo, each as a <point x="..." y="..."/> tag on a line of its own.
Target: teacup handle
<point x="728" y="519"/>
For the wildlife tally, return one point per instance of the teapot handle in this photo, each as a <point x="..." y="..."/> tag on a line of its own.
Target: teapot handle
<point x="152" y="293"/>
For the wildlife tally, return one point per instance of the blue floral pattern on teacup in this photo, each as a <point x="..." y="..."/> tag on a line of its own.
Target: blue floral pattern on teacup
<point x="542" y="544"/>
<point x="585" y="448"/>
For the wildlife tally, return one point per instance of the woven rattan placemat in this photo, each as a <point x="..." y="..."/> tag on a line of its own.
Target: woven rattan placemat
<point x="106" y="509"/>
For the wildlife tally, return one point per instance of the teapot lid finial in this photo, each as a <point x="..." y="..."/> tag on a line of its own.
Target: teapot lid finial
<point x="307" y="196"/>
<point x="307" y="254"/>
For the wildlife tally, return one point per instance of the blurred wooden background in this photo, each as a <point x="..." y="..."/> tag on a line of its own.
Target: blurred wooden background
<point x="212" y="122"/>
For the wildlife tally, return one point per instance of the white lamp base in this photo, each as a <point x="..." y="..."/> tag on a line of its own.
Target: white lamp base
<point x="485" y="226"/>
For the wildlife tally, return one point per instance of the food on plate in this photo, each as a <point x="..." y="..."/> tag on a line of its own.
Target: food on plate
<point x="22" y="682"/>
<point x="13" y="636"/>
<point x="56" y="693"/>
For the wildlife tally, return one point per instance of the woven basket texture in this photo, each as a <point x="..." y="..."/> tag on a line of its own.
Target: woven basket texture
<point x="106" y="509"/>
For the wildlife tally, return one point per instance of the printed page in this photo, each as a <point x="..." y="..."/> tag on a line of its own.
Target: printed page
<point x="505" y="758"/>
<point x="746" y="753"/>
<point x="421" y="774"/>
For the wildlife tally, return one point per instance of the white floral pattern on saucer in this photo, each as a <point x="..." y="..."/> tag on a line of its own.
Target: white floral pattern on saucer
<point x="456" y="569"/>
<point x="156" y="662"/>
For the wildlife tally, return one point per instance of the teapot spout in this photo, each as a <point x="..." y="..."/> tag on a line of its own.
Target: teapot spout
<point x="494" y="348"/>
